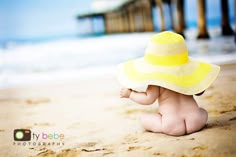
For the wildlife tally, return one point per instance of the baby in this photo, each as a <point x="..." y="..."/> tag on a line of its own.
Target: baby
<point x="178" y="114"/>
<point x="172" y="78"/>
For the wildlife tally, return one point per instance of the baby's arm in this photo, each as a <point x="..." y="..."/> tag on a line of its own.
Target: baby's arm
<point x="144" y="98"/>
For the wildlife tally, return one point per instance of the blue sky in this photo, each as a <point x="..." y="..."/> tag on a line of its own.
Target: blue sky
<point x="28" y="19"/>
<point x="39" y="18"/>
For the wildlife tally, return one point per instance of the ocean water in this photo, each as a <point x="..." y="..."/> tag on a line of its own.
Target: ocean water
<point x="79" y="58"/>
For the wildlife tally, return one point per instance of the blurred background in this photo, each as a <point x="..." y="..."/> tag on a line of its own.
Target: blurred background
<point x="58" y="40"/>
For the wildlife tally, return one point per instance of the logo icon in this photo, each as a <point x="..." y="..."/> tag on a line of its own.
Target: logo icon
<point x="22" y="135"/>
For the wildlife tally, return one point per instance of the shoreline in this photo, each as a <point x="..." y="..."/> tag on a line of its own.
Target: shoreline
<point x="60" y="77"/>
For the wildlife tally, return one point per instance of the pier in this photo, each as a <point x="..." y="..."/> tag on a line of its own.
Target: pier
<point x="137" y="16"/>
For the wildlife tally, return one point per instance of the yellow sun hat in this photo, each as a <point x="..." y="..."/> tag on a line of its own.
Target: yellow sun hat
<point x="166" y="63"/>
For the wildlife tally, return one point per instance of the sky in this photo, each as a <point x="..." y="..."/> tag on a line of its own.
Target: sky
<point x="40" y="18"/>
<point x="29" y="19"/>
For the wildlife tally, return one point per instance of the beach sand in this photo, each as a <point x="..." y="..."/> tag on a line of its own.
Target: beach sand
<point x="96" y="122"/>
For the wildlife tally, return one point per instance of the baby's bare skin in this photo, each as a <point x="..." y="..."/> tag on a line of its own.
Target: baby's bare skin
<point x="178" y="114"/>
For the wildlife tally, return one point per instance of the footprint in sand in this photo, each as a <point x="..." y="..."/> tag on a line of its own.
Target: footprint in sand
<point x="197" y="148"/>
<point x="42" y="124"/>
<point x="87" y="144"/>
<point x="107" y="153"/>
<point x="212" y="125"/>
<point x="231" y="119"/>
<point x="229" y="110"/>
<point x="69" y="152"/>
<point x="47" y="152"/>
<point x="65" y="152"/>
<point x="159" y="153"/>
<point x="93" y="150"/>
<point x="226" y="127"/>
<point x="36" y="101"/>
<point x="91" y="147"/>
<point x="130" y="139"/>
<point x="132" y="148"/>
<point x="191" y="139"/>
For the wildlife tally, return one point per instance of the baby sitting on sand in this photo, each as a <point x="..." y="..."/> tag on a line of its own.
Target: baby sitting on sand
<point x="171" y="77"/>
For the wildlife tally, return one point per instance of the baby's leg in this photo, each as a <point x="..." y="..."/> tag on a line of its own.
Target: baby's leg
<point x="196" y="121"/>
<point x="166" y="124"/>
<point x="152" y="122"/>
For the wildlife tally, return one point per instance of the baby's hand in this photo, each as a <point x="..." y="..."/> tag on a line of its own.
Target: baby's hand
<point x="125" y="92"/>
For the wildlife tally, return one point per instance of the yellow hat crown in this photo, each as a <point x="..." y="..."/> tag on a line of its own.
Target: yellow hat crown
<point x="167" y="37"/>
<point x="166" y="49"/>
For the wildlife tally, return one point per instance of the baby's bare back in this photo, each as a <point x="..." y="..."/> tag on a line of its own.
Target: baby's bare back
<point x="181" y="111"/>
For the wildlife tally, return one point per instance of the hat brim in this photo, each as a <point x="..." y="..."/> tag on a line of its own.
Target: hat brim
<point x="190" y="78"/>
